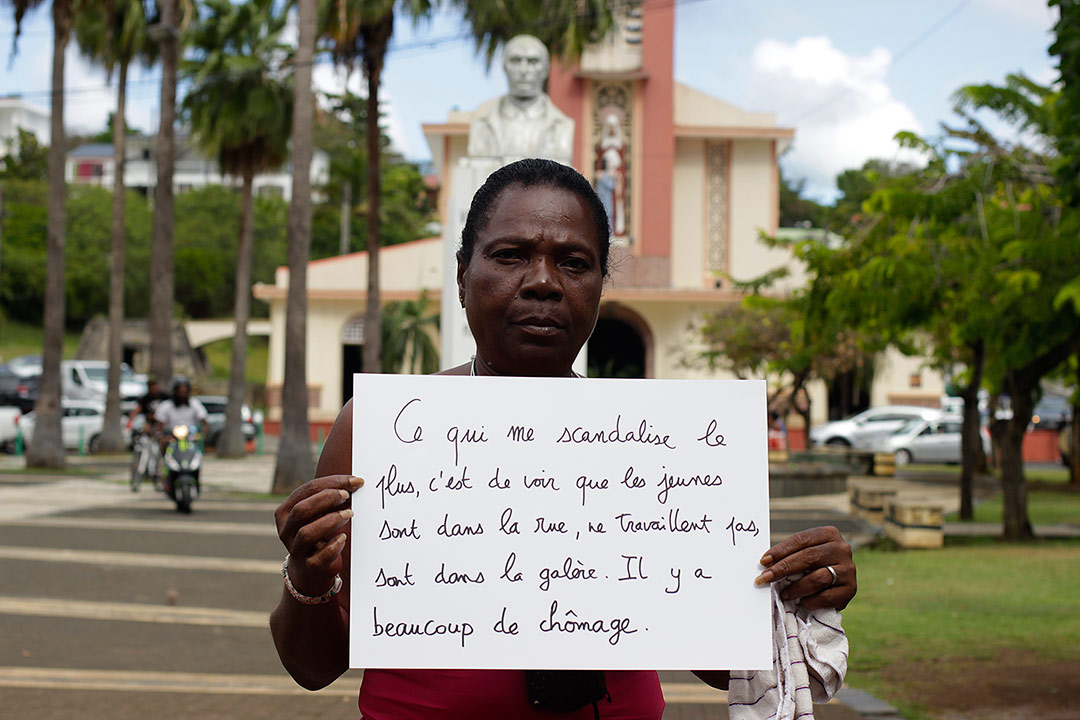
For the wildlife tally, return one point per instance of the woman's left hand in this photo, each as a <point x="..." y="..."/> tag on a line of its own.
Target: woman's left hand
<point x="813" y="552"/>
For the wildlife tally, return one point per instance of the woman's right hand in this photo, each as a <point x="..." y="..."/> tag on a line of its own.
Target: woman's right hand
<point x="312" y="525"/>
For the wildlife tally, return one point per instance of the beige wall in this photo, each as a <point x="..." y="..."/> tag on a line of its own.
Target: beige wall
<point x="893" y="373"/>
<point x="688" y="214"/>
<point x="751" y="208"/>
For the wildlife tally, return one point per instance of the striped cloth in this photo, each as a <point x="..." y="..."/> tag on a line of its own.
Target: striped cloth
<point x="810" y="652"/>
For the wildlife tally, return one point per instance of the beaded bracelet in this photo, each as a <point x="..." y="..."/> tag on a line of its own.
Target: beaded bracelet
<point x="307" y="599"/>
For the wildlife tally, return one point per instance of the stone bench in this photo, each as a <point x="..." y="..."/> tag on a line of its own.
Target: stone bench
<point x="867" y="497"/>
<point x="914" y="522"/>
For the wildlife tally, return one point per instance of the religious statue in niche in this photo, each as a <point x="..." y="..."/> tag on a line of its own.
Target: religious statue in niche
<point x="610" y="172"/>
<point x="524" y="122"/>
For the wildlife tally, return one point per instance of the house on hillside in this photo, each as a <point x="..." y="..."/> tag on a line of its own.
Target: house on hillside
<point x="17" y="113"/>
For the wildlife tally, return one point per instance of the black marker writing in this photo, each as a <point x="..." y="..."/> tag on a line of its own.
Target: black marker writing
<point x="669" y="481"/>
<point x="430" y="628"/>
<point x="570" y="624"/>
<point x="643" y="435"/>
<point x="738" y="527"/>
<point x="418" y="432"/>
<point x="395" y="533"/>
<point x="458" y="435"/>
<point x="711" y="437"/>
<point x="384" y="580"/>
<point x="509" y="567"/>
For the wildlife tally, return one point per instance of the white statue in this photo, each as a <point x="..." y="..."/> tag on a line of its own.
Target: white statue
<point x="610" y="178"/>
<point x="524" y="122"/>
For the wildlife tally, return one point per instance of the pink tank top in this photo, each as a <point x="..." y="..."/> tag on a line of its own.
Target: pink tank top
<point x="495" y="695"/>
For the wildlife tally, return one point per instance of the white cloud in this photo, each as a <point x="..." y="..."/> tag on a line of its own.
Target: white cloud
<point x="1031" y="12"/>
<point x="843" y="111"/>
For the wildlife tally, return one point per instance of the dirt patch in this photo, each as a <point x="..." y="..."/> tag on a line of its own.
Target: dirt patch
<point x="1013" y="686"/>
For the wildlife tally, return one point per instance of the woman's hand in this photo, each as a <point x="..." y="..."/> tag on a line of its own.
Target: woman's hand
<point x="311" y="524"/>
<point x="813" y="552"/>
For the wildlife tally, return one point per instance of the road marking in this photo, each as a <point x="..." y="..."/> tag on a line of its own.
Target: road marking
<point x="128" y="559"/>
<point x="219" y="684"/>
<point x="132" y="612"/>
<point x="217" y="528"/>
<point x="148" y="681"/>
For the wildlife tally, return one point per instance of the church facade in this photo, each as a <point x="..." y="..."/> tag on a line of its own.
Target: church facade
<point x="689" y="181"/>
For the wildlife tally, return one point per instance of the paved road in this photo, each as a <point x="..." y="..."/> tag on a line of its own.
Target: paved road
<point x="113" y="606"/>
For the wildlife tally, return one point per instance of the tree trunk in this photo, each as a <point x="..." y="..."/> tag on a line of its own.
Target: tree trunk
<point x="1073" y="441"/>
<point x="161" y="255"/>
<point x="375" y="41"/>
<point x="1016" y="525"/>
<point x="970" y="438"/>
<point x="47" y="447"/>
<point x="294" y="463"/>
<point x="231" y="441"/>
<point x="112" y="439"/>
<point x="346" y="218"/>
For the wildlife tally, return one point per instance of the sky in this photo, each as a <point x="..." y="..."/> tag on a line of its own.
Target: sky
<point x="845" y="74"/>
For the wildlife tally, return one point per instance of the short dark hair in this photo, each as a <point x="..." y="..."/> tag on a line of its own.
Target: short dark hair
<point x="532" y="172"/>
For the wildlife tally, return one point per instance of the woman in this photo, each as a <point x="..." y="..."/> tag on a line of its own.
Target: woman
<point x="531" y="268"/>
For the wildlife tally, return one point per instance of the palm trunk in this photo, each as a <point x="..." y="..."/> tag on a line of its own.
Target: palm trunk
<point x="47" y="447"/>
<point x="112" y="440"/>
<point x="1016" y="525"/>
<point x="231" y="441"/>
<point x="970" y="439"/>
<point x="161" y="255"/>
<point x="376" y="40"/>
<point x="294" y="465"/>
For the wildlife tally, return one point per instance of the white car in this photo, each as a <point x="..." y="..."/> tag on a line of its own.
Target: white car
<point x="863" y="429"/>
<point x="89" y="380"/>
<point x="929" y="441"/>
<point x="82" y="423"/>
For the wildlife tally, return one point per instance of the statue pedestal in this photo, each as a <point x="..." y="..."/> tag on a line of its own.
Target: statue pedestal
<point x="457" y="344"/>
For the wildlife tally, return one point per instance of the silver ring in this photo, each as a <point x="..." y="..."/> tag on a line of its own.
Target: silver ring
<point x="833" y="572"/>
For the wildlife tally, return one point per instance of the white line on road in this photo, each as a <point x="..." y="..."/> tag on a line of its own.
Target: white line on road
<point x="127" y="559"/>
<point x="218" y="684"/>
<point x="132" y="612"/>
<point x="216" y="528"/>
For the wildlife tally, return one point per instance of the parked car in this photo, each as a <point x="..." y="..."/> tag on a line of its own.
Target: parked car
<point x="25" y="365"/>
<point x="863" y="429"/>
<point x="929" y="441"/>
<point x="82" y="423"/>
<point x="89" y="380"/>
<point x="215" y="418"/>
<point x="9" y="427"/>
<point x="1051" y="412"/>
<point x="18" y="390"/>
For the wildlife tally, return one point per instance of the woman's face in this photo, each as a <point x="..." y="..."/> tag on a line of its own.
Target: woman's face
<point x="532" y="287"/>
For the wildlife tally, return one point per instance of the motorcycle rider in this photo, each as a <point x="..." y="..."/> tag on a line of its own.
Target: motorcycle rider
<point x="147" y="404"/>
<point x="179" y="409"/>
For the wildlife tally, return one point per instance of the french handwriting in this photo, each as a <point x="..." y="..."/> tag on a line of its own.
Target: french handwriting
<point x="631" y="566"/>
<point x="501" y="626"/>
<point x="458" y="529"/>
<point x="507" y="524"/>
<point x="389" y="532"/>
<point x="739" y="527"/>
<point x="451" y="483"/>
<point x="669" y="482"/>
<point x="423" y="627"/>
<point x="613" y="628"/>
<point x="496" y="483"/>
<point x="571" y="569"/>
<point x="384" y="580"/>
<point x="509" y="574"/>
<point x="677" y="574"/>
<point x="520" y="433"/>
<point x="458" y="435"/>
<point x="389" y="486"/>
<point x="545" y="526"/>
<point x="631" y="480"/>
<point x="417" y="433"/>
<point x="711" y="437"/>
<point x="584" y="484"/>
<point x="453" y="577"/>
<point x="672" y="523"/>
<point x="544" y="483"/>
<point x="643" y="435"/>
<point x="597" y="528"/>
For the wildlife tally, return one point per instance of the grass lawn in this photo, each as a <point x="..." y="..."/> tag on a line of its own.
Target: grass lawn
<point x="964" y="605"/>
<point x="17" y="338"/>
<point x="1045" y="507"/>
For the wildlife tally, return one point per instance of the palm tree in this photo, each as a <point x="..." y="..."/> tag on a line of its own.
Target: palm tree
<point x="240" y="107"/>
<point x="113" y="34"/>
<point x="294" y="464"/>
<point x="166" y="31"/>
<point x="360" y="31"/>
<point x="407" y="331"/>
<point x="47" y="448"/>
<point x="564" y="26"/>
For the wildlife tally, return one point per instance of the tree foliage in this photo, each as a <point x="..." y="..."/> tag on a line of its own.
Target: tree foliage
<point x="26" y="159"/>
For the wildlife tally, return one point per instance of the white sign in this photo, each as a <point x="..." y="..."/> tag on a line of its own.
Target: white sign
<point x="559" y="523"/>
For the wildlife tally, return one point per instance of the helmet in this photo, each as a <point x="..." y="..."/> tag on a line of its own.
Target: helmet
<point x="177" y="382"/>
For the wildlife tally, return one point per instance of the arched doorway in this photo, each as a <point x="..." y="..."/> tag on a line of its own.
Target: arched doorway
<point x="621" y="345"/>
<point x="352" y="354"/>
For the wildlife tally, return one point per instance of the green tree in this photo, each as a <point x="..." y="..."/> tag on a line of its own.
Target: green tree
<point x="27" y="159"/>
<point x="240" y="108"/>
<point x="408" y="329"/>
<point x="294" y="464"/>
<point x="113" y="34"/>
<point x="564" y="26"/>
<point x="359" y="32"/>
<point x="796" y="210"/>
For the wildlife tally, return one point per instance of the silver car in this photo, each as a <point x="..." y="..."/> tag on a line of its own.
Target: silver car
<point x="863" y="429"/>
<point x="929" y="441"/>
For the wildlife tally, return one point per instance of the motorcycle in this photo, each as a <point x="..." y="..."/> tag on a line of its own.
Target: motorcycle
<point x="183" y="459"/>
<point x="146" y="456"/>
